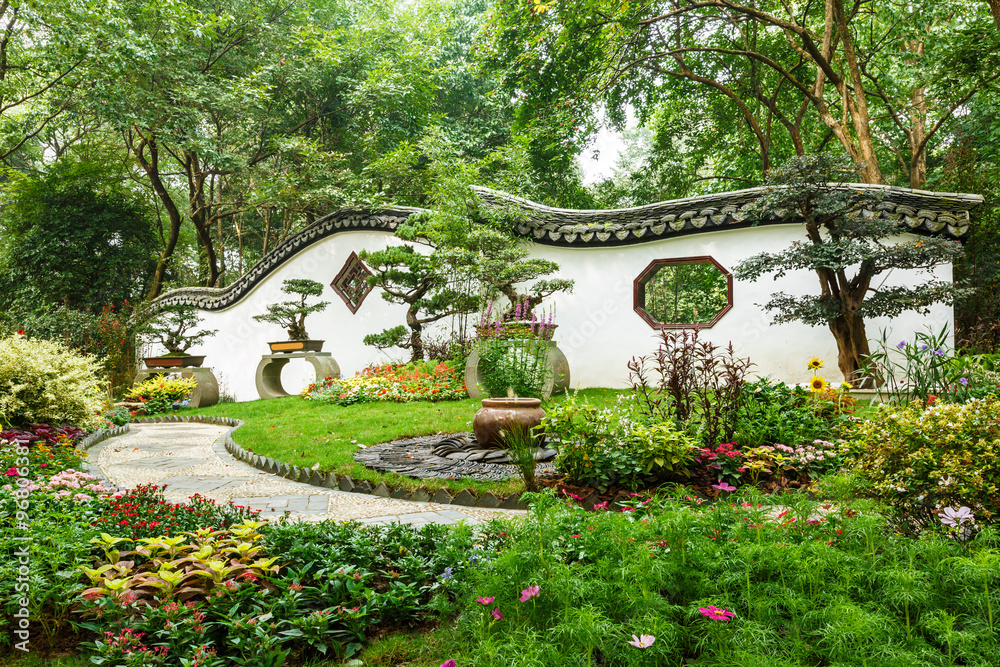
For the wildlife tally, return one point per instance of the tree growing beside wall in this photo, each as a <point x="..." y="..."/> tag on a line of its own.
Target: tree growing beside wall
<point x="846" y="249"/>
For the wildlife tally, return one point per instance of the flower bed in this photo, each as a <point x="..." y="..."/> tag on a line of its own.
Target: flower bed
<point x="422" y="381"/>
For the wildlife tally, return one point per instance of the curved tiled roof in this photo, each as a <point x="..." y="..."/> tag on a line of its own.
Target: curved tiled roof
<point x="923" y="212"/>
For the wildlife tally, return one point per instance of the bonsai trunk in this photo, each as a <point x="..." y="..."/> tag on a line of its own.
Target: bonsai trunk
<point x="852" y="346"/>
<point x="416" y="342"/>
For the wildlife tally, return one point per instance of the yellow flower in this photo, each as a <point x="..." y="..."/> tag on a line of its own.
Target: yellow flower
<point x="817" y="383"/>
<point x="815" y="363"/>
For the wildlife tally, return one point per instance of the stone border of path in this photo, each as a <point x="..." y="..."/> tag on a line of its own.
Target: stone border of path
<point x="465" y="497"/>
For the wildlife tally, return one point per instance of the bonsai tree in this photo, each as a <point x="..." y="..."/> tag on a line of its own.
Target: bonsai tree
<point x="292" y="314"/>
<point x="846" y="247"/>
<point x="173" y="328"/>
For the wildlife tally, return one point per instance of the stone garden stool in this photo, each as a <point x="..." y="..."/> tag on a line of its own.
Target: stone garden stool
<point x="206" y="392"/>
<point x="268" y="377"/>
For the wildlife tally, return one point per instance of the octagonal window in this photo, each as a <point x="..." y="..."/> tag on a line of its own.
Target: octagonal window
<point x="683" y="292"/>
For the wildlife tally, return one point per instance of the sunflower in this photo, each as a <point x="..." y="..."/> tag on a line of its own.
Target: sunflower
<point x="817" y="383"/>
<point x="815" y="363"/>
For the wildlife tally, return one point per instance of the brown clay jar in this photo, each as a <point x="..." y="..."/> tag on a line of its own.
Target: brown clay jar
<point x="499" y="414"/>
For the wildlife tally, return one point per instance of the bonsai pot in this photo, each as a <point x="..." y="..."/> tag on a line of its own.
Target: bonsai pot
<point x="184" y="361"/>
<point x="296" y="346"/>
<point x="499" y="414"/>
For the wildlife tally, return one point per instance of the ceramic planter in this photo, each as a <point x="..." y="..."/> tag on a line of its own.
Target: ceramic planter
<point x="502" y="414"/>
<point x="296" y="346"/>
<point x="187" y="361"/>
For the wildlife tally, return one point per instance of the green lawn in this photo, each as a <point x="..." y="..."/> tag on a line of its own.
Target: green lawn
<point x="300" y="432"/>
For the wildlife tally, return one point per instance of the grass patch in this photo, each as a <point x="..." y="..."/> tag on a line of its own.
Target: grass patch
<point x="301" y="432"/>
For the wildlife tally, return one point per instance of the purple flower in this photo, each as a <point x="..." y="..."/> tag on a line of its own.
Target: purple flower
<point x="963" y="382"/>
<point x="937" y="353"/>
<point x="643" y="641"/>
<point x="956" y="517"/>
<point x="902" y="344"/>
<point x="448" y="573"/>
<point x="496" y="613"/>
<point x="530" y="592"/>
<point x="723" y="486"/>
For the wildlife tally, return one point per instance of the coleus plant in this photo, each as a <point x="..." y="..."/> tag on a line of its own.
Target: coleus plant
<point x="184" y="568"/>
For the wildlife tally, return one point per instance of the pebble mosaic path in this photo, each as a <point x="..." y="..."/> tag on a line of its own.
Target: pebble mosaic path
<point x="191" y="458"/>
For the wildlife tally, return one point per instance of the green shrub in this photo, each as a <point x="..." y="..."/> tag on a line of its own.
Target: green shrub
<point x="922" y="459"/>
<point x="600" y="448"/>
<point x="43" y="382"/>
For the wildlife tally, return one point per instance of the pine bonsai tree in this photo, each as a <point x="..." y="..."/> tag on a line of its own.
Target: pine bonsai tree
<point x="846" y="247"/>
<point x="292" y="314"/>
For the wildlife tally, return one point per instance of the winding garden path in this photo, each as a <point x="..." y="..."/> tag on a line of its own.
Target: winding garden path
<point x="191" y="458"/>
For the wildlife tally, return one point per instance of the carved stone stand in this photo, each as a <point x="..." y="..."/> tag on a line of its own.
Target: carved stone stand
<point x="557" y="382"/>
<point x="268" y="377"/>
<point x="206" y="393"/>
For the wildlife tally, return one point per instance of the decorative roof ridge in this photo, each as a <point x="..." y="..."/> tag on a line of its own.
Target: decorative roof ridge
<point x="922" y="212"/>
<point x="343" y="220"/>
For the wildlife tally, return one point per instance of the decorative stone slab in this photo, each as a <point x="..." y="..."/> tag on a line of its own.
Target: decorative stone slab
<point x="488" y="500"/>
<point x="464" y="497"/>
<point x="164" y="463"/>
<point x="512" y="502"/>
<point x="381" y="490"/>
<point x="194" y="484"/>
<point x="364" y="486"/>
<point x="301" y="504"/>
<point x="420" y="496"/>
<point x="442" y="497"/>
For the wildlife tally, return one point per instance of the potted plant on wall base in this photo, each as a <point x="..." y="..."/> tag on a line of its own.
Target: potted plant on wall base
<point x="173" y="327"/>
<point x="292" y="316"/>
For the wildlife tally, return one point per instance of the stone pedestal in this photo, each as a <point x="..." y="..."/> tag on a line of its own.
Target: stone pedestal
<point x="557" y="383"/>
<point x="268" y="378"/>
<point x="206" y="393"/>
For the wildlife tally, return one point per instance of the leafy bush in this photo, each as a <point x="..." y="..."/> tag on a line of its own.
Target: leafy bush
<point x="699" y="384"/>
<point x="159" y="393"/>
<point x="601" y="448"/>
<point x="415" y="381"/>
<point x="117" y="416"/>
<point x="921" y="459"/>
<point x="773" y="412"/>
<point x="43" y="382"/>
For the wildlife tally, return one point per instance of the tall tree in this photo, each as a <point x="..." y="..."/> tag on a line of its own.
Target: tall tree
<point x="840" y="239"/>
<point x="879" y="80"/>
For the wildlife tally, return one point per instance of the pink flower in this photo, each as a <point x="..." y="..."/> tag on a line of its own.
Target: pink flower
<point x="530" y="592"/>
<point x="496" y="613"/>
<point x="601" y="506"/>
<point x="571" y="495"/>
<point x="484" y="601"/>
<point x="723" y="486"/>
<point x="716" y="614"/>
<point x="643" y="641"/>
<point x="448" y="663"/>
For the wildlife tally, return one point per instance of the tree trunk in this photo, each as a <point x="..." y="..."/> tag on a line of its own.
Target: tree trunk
<point x="995" y="9"/>
<point x="151" y="166"/>
<point x="416" y="342"/>
<point x="852" y="346"/>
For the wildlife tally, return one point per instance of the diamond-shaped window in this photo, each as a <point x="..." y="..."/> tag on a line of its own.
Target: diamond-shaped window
<point x="351" y="283"/>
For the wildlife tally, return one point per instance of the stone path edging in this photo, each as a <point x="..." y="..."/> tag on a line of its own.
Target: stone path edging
<point x="465" y="497"/>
